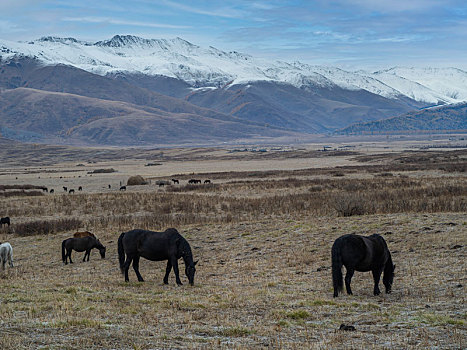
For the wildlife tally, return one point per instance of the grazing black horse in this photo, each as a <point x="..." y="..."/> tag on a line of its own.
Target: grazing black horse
<point x="5" y="220"/>
<point x="156" y="246"/>
<point x="71" y="191"/>
<point x="80" y="245"/>
<point x="65" y="188"/>
<point x="80" y="188"/>
<point x="207" y="181"/>
<point x="122" y="188"/>
<point x="175" y="181"/>
<point x="358" y="253"/>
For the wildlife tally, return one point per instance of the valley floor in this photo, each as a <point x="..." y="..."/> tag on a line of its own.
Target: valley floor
<point x="263" y="238"/>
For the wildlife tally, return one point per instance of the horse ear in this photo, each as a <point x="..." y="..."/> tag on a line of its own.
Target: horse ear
<point x="194" y="264"/>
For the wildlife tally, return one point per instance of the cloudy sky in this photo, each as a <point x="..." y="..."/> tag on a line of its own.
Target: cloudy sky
<point x="347" y="33"/>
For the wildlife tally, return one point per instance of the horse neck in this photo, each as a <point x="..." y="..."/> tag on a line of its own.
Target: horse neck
<point x="388" y="266"/>
<point x="187" y="255"/>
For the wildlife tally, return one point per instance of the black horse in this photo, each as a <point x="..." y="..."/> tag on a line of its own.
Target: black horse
<point x="156" y="246"/>
<point x="80" y="245"/>
<point x="358" y="253"/>
<point x="5" y="221"/>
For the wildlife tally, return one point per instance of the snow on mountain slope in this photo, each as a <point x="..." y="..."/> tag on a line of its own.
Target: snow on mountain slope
<point x="210" y="67"/>
<point x="449" y="82"/>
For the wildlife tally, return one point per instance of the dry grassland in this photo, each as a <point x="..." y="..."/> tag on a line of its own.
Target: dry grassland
<point x="263" y="238"/>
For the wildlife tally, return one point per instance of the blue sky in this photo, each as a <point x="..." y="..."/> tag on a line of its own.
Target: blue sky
<point x="347" y="33"/>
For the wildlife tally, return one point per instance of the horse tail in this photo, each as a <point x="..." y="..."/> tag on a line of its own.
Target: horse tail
<point x="121" y="252"/>
<point x="337" y="268"/>
<point x="63" y="251"/>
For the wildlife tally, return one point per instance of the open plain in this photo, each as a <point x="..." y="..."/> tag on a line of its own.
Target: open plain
<point x="262" y="231"/>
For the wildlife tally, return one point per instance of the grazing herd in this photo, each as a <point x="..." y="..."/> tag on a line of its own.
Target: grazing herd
<point x="355" y="252"/>
<point x="123" y="187"/>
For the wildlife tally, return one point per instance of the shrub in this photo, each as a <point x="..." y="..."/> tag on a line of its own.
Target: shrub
<point x="102" y="171"/>
<point x="349" y="205"/>
<point x="44" y="227"/>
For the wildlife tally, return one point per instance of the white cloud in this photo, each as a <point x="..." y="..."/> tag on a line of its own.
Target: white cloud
<point x="91" y="19"/>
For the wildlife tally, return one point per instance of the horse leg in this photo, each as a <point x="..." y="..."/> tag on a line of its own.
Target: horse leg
<point x="10" y="260"/>
<point x="136" y="268"/>
<point x="167" y="271"/>
<point x="84" y="257"/>
<point x="376" y="276"/>
<point x="89" y="253"/>
<point x="348" y="279"/>
<point x="174" y="263"/>
<point x="68" y="256"/>
<point x="126" y="266"/>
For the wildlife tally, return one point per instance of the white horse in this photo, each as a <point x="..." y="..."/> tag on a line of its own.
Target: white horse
<point x="6" y="253"/>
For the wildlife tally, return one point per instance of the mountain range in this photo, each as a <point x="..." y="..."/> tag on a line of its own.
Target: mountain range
<point x="133" y="91"/>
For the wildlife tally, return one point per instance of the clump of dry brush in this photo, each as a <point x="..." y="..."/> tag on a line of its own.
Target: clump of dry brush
<point x="246" y="200"/>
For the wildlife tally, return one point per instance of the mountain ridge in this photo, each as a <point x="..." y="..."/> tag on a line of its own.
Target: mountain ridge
<point x="211" y="67"/>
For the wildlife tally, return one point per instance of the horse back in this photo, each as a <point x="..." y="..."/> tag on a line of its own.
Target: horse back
<point x="80" y="244"/>
<point x="83" y="234"/>
<point x="152" y="245"/>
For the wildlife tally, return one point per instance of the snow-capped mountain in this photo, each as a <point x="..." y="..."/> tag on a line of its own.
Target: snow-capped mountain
<point x="213" y="68"/>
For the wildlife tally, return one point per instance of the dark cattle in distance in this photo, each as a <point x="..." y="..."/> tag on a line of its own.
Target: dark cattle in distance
<point x="175" y="181"/>
<point x="65" y="189"/>
<point x="52" y="190"/>
<point x="5" y="221"/>
<point x="207" y="181"/>
<point x="71" y="191"/>
<point x="80" y="188"/>
<point x="122" y="188"/>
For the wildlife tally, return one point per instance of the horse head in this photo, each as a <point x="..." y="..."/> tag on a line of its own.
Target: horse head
<point x="388" y="277"/>
<point x="101" y="249"/>
<point x="190" y="270"/>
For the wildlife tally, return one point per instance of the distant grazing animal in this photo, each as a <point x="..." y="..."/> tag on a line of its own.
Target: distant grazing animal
<point x="110" y="186"/>
<point x="52" y="191"/>
<point x="80" y="245"/>
<point x="6" y="254"/>
<point x="5" y="220"/>
<point x="194" y="181"/>
<point x="207" y="181"/>
<point x="83" y="234"/>
<point x="71" y="191"/>
<point x="359" y="253"/>
<point x="45" y="189"/>
<point x="122" y="188"/>
<point x="80" y="188"/>
<point x="65" y="188"/>
<point x="156" y="246"/>
<point x="175" y="181"/>
<point x="161" y="184"/>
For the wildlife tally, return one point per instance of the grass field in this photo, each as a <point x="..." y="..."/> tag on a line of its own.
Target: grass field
<point x="262" y="235"/>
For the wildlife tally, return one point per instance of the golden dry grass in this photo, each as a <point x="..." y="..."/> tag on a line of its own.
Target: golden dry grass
<point x="264" y="277"/>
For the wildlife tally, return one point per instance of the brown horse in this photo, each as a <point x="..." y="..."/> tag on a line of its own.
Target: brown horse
<point x="83" y="234"/>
